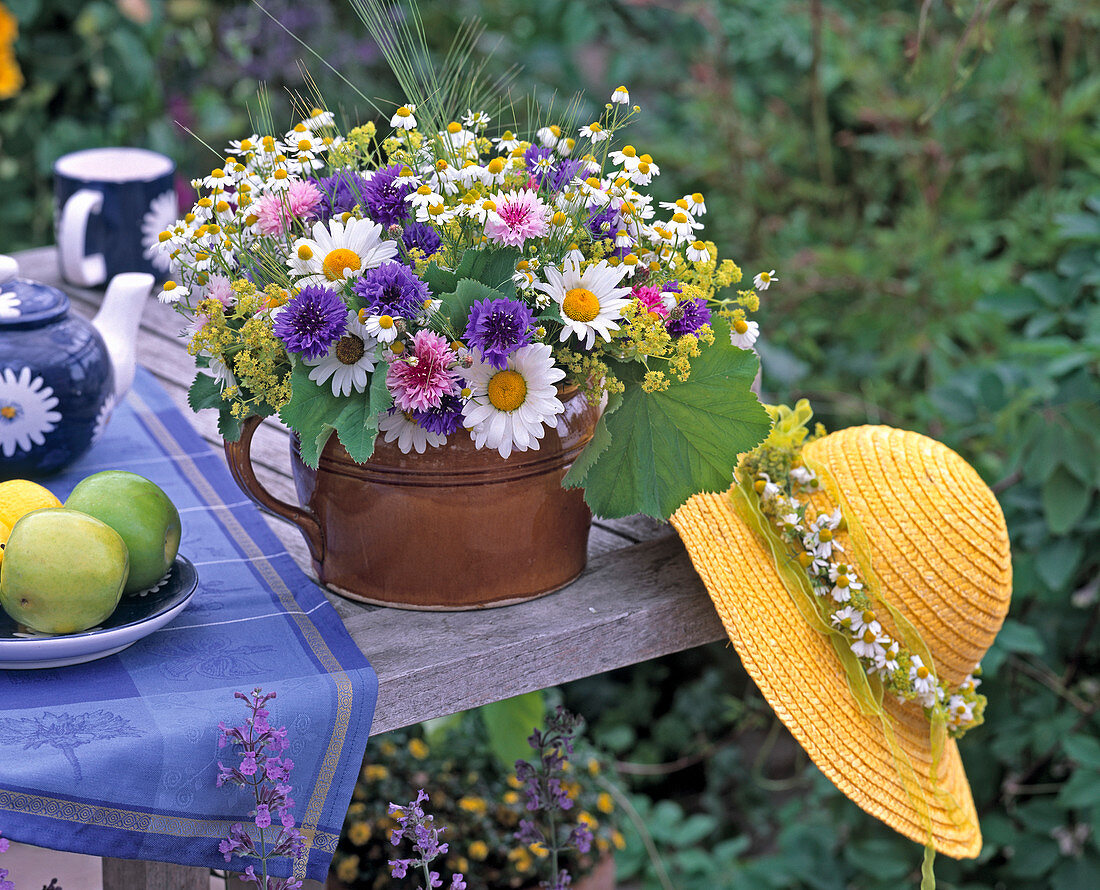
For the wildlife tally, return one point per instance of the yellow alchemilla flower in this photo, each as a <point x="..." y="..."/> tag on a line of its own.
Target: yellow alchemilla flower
<point x="605" y="803"/>
<point x="478" y="850"/>
<point x="418" y="748"/>
<point x="359" y="833"/>
<point x="348" y="869"/>
<point x="475" y="805"/>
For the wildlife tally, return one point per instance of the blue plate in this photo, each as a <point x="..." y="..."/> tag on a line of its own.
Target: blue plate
<point x="137" y="616"/>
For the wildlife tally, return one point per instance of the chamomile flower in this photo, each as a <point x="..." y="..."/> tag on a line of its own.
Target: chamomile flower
<point x="846" y="619"/>
<point x="172" y="292"/>
<point x="337" y="252"/>
<point x="403" y="118"/>
<point x="400" y="426"/>
<point x="698" y="252"/>
<point x="348" y="360"/>
<point x="506" y="143"/>
<point x="696" y="204"/>
<point x="590" y="301"/>
<point x="382" y="328"/>
<point x="871" y="642"/>
<point x="922" y="680"/>
<point x="744" y="334"/>
<point x="626" y="157"/>
<point x="476" y="120"/>
<point x="594" y="132"/>
<point x="549" y="136"/>
<point x="319" y="118"/>
<point x="620" y="96"/>
<point x="763" y="280"/>
<point x="509" y="409"/>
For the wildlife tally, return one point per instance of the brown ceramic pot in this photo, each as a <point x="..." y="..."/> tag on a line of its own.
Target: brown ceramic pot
<point x="453" y="528"/>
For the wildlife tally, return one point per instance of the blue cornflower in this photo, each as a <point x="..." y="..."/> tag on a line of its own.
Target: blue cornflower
<point x="688" y="316"/>
<point x="384" y="199"/>
<point x="422" y="237"/>
<point x="498" y="328"/>
<point x="342" y="191"/>
<point x="445" y="419"/>
<point x="312" y="321"/>
<point x="392" y="289"/>
<point x="601" y="221"/>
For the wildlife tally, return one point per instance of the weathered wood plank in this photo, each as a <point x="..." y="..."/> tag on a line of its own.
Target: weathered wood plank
<point x="131" y="874"/>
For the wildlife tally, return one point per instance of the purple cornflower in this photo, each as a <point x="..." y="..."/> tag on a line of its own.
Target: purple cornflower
<point x="417" y="826"/>
<point x="601" y="221"/>
<point x="421" y="236"/>
<point x="498" y="328"/>
<point x="688" y="316"/>
<point x="264" y="772"/>
<point x="312" y="321"/>
<point x="532" y="158"/>
<point x="392" y="289"/>
<point x="566" y="170"/>
<point x="555" y="175"/>
<point x="384" y="199"/>
<point x="341" y="192"/>
<point x="445" y="419"/>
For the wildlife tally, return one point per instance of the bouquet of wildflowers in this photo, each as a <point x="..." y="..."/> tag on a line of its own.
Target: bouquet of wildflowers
<point x="445" y="278"/>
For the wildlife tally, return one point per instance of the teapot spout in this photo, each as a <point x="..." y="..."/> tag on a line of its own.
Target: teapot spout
<point x="118" y="320"/>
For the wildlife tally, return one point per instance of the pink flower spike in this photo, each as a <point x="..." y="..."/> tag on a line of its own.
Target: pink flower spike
<point x="422" y="381"/>
<point x="518" y="217"/>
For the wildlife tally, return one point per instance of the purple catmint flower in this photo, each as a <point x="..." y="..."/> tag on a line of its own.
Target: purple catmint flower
<point x="384" y="199"/>
<point x="497" y="328"/>
<point x="421" y="236"/>
<point x="312" y="321"/>
<point x="458" y="882"/>
<point x="263" y="816"/>
<point x="400" y="867"/>
<point x="392" y="289"/>
<point x="8" y="885"/>
<point x="688" y="316"/>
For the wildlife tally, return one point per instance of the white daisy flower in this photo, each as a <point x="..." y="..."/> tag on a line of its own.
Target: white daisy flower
<point x="923" y="680"/>
<point x="696" y="205"/>
<point x="763" y="280"/>
<point x="620" y="96"/>
<point x="744" y="334"/>
<point x="348" y="362"/>
<point x="26" y="411"/>
<point x="398" y="425"/>
<point x="403" y="118"/>
<point x="420" y="198"/>
<point x="172" y="292"/>
<point x="698" y="252"/>
<point x="506" y="143"/>
<point x="319" y="118"/>
<point x="549" y="136"/>
<point x="9" y="305"/>
<point x="683" y="225"/>
<point x="626" y="157"/>
<point x="871" y="643"/>
<point x="802" y="476"/>
<point x="223" y="374"/>
<point x="594" y="132"/>
<point x="245" y="146"/>
<point x="509" y="409"/>
<point x="887" y="663"/>
<point x="382" y="328"/>
<point x="590" y="301"/>
<point x="959" y="711"/>
<point x="337" y="252"/>
<point x="846" y="619"/>
<point x="475" y="120"/>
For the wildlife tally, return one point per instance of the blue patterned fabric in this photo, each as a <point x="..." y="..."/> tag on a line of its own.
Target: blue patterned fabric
<point x="118" y="757"/>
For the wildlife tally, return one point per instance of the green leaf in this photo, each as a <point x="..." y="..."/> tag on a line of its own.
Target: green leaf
<point x="440" y="281"/>
<point x="596" y="446"/>
<point x="311" y="412"/>
<point x="205" y="392"/>
<point x="229" y="427"/>
<point x="1017" y="637"/>
<point x="1065" y="500"/>
<point x="1057" y="560"/>
<point x="357" y="428"/>
<point x="493" y="267"/>
<point x="456" y="306"/>
<point x="510" y="722"/>
<point x="1082" y="790"/>
<point x="1084" y="749"/>
<point x="667" y="446"/>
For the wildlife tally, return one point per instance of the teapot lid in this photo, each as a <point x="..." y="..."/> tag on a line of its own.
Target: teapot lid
<point x="26" y="303"/>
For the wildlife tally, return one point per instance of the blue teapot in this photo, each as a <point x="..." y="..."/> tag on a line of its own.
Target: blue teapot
<point x="61" y="376"/>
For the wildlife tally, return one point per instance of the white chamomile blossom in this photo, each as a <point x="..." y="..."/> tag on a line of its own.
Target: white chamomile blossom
<point x="348" y="361"/>
<point x="319" y="118"/>
<point x="245" y="146"/>
<point x="696" y="205"/>
<point x="476" y="120"/>
<point x="565" y="146"/>
<point x="887" y="662"/>
<point x="594" y="132"/>
<point x="620" y="96"/>
<point x="549" y="136"/>
<point x="172" y="292"/>
<point x="698" y="252"/>
<point x="959" y="711"/>
<point x="763" y="280"/>
<point x="223" y="374"/>
<point x="410" y="436"/>
<point x="846" y="619"/>
<point x="923" y="681"/>
<point x="803" y="477"/>
<point x="769" y="489"/>
<point x="337" y="252"/>
<point x="506" y="143"/>
<point x="590" y="301"/>
<point x="421" y="198"/>
<point x="382" y="328"/>
<point x="683" y="226"/>
<point x="407" y="176"/>
<point x="508" y="410"/>
<point x="403" y="118"/>
<point x="744" y="334"/>
<point x="820" y="540"/>
<point x="626" y="157"/>
<point x="871" y="642"/>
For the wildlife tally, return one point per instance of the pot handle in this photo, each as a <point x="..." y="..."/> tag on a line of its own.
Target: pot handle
<point x="239" y="456"/>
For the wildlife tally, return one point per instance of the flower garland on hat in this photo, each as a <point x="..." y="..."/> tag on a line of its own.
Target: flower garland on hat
<point x="789" y="495"/>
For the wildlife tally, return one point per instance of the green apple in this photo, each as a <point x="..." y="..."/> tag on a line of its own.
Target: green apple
<point x="63" y="571"/>
<point x="141" y="512"/>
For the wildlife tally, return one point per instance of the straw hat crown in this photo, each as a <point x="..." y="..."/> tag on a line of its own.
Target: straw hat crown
<point x="936" y="536"/>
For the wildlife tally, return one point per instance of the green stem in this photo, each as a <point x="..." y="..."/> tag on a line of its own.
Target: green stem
<point x="643" y="832"/>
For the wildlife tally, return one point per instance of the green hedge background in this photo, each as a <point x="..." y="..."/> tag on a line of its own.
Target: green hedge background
<point x="925" y="179"/>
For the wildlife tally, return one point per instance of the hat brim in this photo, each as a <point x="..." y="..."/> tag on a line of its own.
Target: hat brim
<point x="801" y="677"/>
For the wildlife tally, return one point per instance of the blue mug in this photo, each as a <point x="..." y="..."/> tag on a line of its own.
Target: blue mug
<point x="111" y="206"/>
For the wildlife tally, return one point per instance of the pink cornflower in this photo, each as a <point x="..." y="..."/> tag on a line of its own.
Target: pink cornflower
<point x="221" y="289"/>
<point x="421" y="382"/>
<point x="274" y="212"/>
<point x="518" y="216"/>
<point x="652" y="298"/>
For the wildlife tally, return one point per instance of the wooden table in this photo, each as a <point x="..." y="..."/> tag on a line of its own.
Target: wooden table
<point x="638" y="599"/>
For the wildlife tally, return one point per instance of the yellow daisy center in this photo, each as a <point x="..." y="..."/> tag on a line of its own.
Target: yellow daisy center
<point x="349" y="349"/>
<point x="629" y="151"/>
<point x="841" y="581"/>
<point x="680" y="218"/>
<point x="580" y="304"/>
<point x="765" y="276"/>
<point x="868" y="636"/>
<point x="385" y="322"/>
<point x="8" y="412"/>
<point x="339" y="261"/>
<point x="868" y="616"/>
<point x="923" y="672"/>
<point x="304" y="252"/>
<point x="826" y="534"/>
<point x="741" y="326"/>
<point x="507" y="390"/>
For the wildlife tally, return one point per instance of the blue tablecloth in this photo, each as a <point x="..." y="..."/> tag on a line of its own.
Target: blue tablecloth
<point x="118" y="757"/>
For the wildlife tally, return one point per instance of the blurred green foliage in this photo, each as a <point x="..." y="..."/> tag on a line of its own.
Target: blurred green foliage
<point x="928" y="191"/>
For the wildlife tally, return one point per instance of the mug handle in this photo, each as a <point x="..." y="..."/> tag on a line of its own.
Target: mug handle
<point x="239" y="456"/>
<point x="72" y="236"/>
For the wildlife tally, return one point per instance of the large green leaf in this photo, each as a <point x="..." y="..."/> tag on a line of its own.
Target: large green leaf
<point x="440" y="281"/>
<point x="493" y="267"/>
<point x="357" y="425"/>
<point x="667" y="446"/>
<point x="1065" y="500"/>
<point x="312" y="413"/>
<point x="205" y="392"/>
<point x="510" y="722"/>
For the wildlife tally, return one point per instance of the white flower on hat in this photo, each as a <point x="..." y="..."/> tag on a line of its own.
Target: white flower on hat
<point x="872" y="642"/>
<point x="923" y="680"/>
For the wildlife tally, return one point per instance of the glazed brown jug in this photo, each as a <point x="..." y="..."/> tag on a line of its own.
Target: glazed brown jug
<point x="453" y="528"/>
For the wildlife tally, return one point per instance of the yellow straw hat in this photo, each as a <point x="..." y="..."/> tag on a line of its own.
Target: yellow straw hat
<point x="934" y="538"/>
